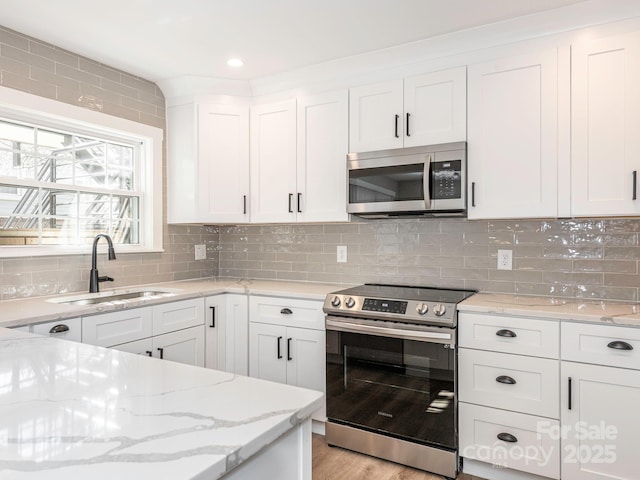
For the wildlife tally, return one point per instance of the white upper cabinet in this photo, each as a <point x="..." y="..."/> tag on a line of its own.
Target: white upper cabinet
<point x="605" y="100"/>
<point x="298" y="159"/>
<point x="322" y="166"/>
<point x="421" y="110"/>
<point x="273" y="162"/>
<point x="208" y="163"/>
<point x="513" y="137"/>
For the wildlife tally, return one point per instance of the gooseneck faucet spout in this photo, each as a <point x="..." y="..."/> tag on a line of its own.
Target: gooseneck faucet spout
<point x="94" y="278"/>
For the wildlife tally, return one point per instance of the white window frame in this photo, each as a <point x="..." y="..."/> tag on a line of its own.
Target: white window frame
<point x="27" y="107"/>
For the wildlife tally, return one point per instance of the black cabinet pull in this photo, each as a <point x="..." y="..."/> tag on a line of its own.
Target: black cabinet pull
<point x="59" y="328"/>
<point x="279" y="352"/>
<point x="289" y="357"/>
<point x="569" y="393"/>
<point x="473" y="194"/>
<point x="161" y="350"/>
<point x="286" y="311"/>
<point x="213" y="317"/>
<point x="149" y="353"/>
<point x="396" y="133"/>
<point x="299" y="202"/>
<point x="290" y="198"/>
<point x="244" y="204"/>
<point x="507" y="380"/>
<point x="408" y="115"/>
<point x="507" y="437"/>
<point x="506" y="333"/>
<point x="635" y="185"/>
<point x="620" y="345"/>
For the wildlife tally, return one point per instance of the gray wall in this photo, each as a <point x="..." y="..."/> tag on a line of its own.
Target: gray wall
<point x="591" y="258"/>
<point x="42" y="69"/>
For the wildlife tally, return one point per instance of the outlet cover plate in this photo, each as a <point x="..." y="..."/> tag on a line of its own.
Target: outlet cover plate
<point x="341" y="253"/>
<point x="201" y="252"/>
<point x="505" y="260"/>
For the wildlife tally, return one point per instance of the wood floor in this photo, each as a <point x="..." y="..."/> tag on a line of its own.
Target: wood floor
<point x="331" y="463"/>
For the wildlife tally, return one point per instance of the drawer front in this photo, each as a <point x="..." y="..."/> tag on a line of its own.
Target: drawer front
<point x="512" y="382"/>
<point x="589" y="343"/>
<point x="287" y="312"/>
<point x="68" y="329"/>
<point x="534" y="446"/>
<point x="502" y="333"/>
<point x="139" y="347"/>
<point x="169" y="317"/>
<point x="115" y="328"/>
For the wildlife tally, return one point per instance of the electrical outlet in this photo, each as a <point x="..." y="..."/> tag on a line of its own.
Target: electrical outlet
<point x="505" y="260"/>
<point x="342" y="254"/>
<point x="201" y="252"/>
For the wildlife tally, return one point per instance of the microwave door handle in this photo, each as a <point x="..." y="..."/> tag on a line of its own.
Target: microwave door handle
<point x="427" y="181"/>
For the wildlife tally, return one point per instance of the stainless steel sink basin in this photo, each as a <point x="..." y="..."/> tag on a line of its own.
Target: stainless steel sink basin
<point x="114" y="297"/>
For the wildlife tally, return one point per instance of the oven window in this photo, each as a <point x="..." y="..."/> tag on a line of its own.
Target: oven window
<point x="402" y="388"/>
<point x="387" y="184"/>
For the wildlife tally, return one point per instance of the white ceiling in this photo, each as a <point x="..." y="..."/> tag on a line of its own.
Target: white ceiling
<point x="162" y="39"/>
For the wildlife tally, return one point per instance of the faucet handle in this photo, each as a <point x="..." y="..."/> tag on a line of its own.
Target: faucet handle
<point x="106" y="278"/>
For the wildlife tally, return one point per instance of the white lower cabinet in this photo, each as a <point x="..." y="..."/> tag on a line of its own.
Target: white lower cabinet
<point x="287" y="343"/>
<point x="599" y="403"/>
<point x="227" y="333"/>
<point x="172" y="331"/>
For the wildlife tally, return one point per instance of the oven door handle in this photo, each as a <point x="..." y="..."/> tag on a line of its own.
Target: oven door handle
<point x="419" y="335"/>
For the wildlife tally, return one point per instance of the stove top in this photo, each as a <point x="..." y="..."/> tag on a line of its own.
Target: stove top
<point x="400" y="303"/>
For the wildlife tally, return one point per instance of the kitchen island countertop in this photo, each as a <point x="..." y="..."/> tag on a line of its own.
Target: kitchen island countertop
<point x="72" y="410"/>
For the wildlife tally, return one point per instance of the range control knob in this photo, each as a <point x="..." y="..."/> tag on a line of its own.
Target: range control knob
<point x="439" y="310"/>
<point x="350" y="302"/>
<point x="335" y="301"/>
<point x="422" y="308"/>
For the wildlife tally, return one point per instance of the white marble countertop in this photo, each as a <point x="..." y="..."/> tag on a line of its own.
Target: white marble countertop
<point x="610" y="313"/>
<point x="40" y="309"/>
<point x="71" y="410"/>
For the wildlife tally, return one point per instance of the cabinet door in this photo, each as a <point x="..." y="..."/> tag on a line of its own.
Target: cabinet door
<point x="169" y="317"/>
<point x="183" y="346"/>
<point x="268" y="349"/>
<point x="215" y="318"/>
<point x="306" y="361"/>
<point x="273" y="162"/>
<point x="376" y="117"/>
<point x="223" y="163"/>
<point x="600" y="430"/>
<point x="139" y="347"/>
<point x="235" y="333"/>
<point x="605" y="122"/>
<point x="512" y="137"/>
<point x="322" y="150"/>
<point x="435" y="108"/>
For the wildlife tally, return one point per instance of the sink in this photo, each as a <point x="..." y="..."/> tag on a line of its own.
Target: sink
<point x="114" y="297"/>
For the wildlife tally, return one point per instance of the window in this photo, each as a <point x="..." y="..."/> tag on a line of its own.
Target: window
<point x="64" y="180"/>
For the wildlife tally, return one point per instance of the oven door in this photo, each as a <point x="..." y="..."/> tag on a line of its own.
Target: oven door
<point x="397" y="381"/>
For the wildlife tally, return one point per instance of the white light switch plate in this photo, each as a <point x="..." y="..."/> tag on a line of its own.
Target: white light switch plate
<point x="201" y="252"/>
<point x="342" y="254"/>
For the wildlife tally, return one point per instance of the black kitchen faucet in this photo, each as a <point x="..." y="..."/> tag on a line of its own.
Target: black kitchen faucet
<point x="94" y="279"/>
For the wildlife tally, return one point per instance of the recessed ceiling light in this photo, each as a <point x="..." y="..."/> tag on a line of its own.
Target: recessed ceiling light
<point x="235" y="62"/>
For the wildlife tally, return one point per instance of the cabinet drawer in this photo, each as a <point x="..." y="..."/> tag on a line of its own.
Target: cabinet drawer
<point x="533" y="446"/>
<point x="115" y="328"/>
<point x="139" y="347"/>
<point x="169" y="317"/>
<point x="502" y="333"/>
<point x="68" y="329"/>
<point x="589" y="343"/>
<point x="513" y="382"/>
<point x="287" y="312"/>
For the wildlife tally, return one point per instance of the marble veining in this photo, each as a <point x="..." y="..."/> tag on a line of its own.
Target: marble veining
<point x="72" y="410"/>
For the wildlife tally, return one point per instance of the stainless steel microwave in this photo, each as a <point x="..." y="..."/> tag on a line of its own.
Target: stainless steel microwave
<point x="429" y="180"/>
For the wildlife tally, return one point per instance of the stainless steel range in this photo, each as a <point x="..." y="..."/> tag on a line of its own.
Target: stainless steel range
<point x="391" y="373"/>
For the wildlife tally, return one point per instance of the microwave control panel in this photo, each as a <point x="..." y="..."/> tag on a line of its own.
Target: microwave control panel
<point x="446" y="180"/>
